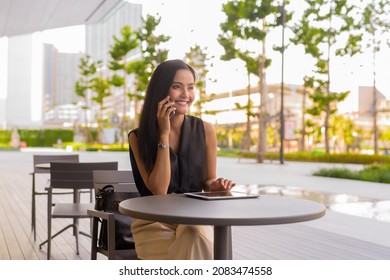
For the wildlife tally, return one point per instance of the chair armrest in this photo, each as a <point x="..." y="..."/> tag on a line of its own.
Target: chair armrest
<point x="110" y="217"/>
<point x="100" y="214"/>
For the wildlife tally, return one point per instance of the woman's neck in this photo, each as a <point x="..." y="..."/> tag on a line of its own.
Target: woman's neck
<point x="175" y="134"/>
<point x="176" y="122"/>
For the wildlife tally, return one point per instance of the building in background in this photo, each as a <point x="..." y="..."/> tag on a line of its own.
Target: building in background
<point x="365" y="112"/>
<point x="227" y="114"/>
<point x="24" y="82"/>
<point x="60" y="72"/>
<point x="98" y="40"/>
<point x="39" y="79"/>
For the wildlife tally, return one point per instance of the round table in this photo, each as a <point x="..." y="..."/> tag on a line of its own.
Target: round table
<point x="222" y="214"/>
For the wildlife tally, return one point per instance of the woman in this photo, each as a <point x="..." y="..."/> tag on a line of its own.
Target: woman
<point x="172" y="152"/>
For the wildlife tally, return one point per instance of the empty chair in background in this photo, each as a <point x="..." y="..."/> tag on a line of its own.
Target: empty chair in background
<point x="46" y="160"/>
<point x="75" y="177"/>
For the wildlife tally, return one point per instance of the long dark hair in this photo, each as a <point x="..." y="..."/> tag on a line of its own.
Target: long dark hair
<point x="158" y="89"/>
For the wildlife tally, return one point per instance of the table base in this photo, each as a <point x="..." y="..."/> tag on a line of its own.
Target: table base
<point x="223" y="243"/>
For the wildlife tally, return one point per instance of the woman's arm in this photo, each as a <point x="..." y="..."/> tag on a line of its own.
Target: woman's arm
<point x="212" y="182"/>
<point x="157" y="181"/>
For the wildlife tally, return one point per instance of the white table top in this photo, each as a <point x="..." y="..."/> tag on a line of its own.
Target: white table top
<point x="265" y="210"/>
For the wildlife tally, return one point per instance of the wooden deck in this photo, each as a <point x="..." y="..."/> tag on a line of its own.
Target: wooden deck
<point x="333" y="237"/>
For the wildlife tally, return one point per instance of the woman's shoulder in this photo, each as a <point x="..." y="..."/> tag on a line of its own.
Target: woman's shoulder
<point x="132" y="136"/>
<point x="208" y="127"/>
<point x="198" y="120"/>
<point x="133" y="132"/>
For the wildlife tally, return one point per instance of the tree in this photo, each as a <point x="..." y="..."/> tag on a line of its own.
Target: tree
<point x="242" y="28"/>
<point x="375" y="22"/>
<point x="88" y="69"/>
<point x="342" y="130"/>
<point x="246" y="141"/>
<point x="385" y="138"/>
<point x="152" y="54"/>
<point x="307" y="86"/>
<point x="119" y="52"/>
<point x="321" y="30"/>
<point x="101" y="86"/>
<point x="198" y="59"/>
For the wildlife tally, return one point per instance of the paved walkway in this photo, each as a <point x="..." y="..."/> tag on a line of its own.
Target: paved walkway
<point x="352" y="236"/>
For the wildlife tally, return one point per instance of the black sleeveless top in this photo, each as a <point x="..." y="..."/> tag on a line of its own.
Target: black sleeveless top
<point x="188" y="167"/>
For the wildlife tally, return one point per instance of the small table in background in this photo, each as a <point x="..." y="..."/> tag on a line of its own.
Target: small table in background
<point x="43" y="165"/>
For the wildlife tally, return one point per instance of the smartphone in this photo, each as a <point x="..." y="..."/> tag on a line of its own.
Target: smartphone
<point x="171" y="114"/>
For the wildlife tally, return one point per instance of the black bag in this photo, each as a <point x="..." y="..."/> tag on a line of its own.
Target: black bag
<point x="107" y="200"/>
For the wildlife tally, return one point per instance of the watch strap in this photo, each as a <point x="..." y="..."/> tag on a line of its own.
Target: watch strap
<point x="162" y="146"/>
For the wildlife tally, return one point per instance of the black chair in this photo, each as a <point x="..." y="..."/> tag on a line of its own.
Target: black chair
<point x="75" y="177"/>
<point x="123" y="182"/>
<point x="45" y="159"/>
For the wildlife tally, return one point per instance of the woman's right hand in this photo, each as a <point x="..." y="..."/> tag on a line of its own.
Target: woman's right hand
<point x="164" y="109"/>
<point x="221" y="184"/>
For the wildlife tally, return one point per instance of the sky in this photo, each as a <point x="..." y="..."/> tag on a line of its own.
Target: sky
<point x="197" y="22"/>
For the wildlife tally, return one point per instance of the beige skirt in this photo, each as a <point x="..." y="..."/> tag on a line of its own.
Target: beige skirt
<point x="161" y="241"/>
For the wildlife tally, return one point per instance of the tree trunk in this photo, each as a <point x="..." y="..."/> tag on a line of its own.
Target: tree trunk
<point x="374" y="105"/>
<point x="303" y="135"/>
<point x="327" y="107"/>
<point x="262" y="142"/>
<point x="123" y="123"/>
<point x="246" y="143"/>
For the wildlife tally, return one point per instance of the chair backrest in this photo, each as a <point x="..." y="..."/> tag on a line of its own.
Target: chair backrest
<point x="121" y="180"/>
<point x="38" y="159"/>
<point x="76" y="175"/>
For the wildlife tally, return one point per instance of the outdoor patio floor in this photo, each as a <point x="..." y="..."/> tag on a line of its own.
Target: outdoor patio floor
<point x="336" y="236"/>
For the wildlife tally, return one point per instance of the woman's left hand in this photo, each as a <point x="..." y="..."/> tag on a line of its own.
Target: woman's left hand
<point x="221" y="184"/>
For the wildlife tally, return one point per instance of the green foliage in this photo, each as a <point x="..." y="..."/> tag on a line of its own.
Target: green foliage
<point x="343" y="173"/>
<point x="88" y="68"/>
<point x="97" y="147"/>
<point x="372" y="173"/>
<point x="101" y="86"/>
<point x="121" y="47"/>
<point x="320" y="157"/>
<point x="343" y="129"/>
<point x="37" y="138"/>
<point x="119" y="64"/>
<point x="151" y="43"/>
<point x="5" y="136"/>
<point x="242" y="25"/>
<point x="151" y="52"/>
<point x="384" y="136"/>
<point x="117" y="80"/>
<point x="376" y="173"/>
<point x="51" y="136"/>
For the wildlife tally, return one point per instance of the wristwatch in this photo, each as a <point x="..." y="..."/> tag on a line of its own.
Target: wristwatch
<point x="162" y="146"/>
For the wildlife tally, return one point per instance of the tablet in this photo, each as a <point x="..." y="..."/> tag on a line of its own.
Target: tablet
<point x="221" y="195"/>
